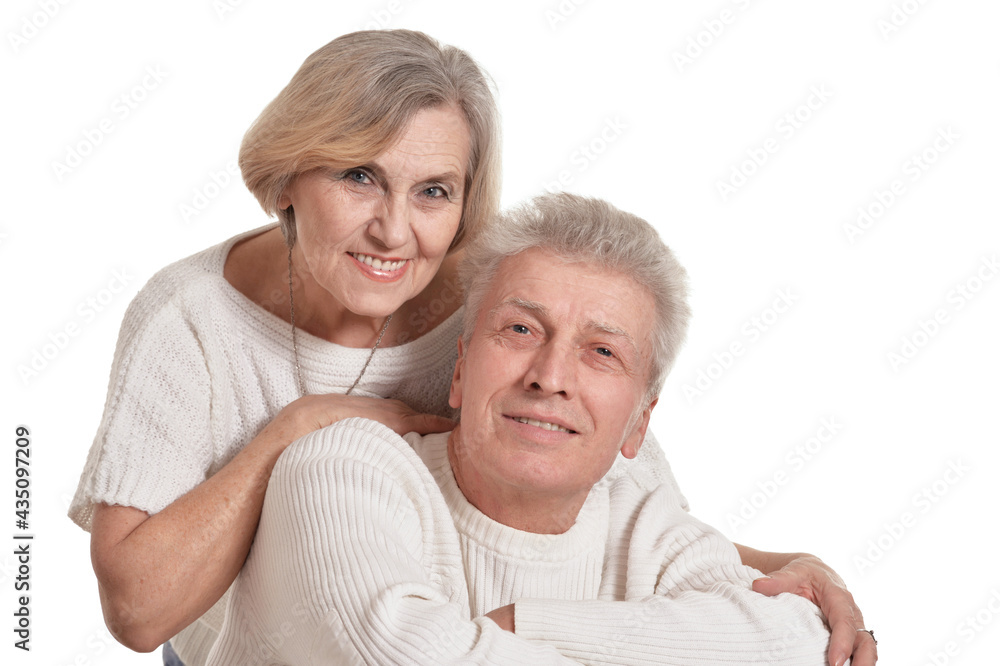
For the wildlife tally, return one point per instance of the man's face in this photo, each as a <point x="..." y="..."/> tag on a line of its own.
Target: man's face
<point x="552" y="383"/>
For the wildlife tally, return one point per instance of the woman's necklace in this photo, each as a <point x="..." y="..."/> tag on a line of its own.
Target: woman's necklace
<point x="295" y="343"/>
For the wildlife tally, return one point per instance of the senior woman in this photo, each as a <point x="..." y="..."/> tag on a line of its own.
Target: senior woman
<point x="380" y="156"/>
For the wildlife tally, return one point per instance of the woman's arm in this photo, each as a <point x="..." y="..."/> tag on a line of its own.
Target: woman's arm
<point x="809" y="577"/>
<point x="157" y="574"/>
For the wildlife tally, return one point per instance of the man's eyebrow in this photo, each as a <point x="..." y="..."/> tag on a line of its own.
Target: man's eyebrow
<point x="541" y="311"/>
<point x="521" y="304"/>
<point x="608" y="329"/>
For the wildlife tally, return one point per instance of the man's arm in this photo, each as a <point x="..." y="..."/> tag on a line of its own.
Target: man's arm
<point x="688" y="601"/>
<point x="797" y="573"/>
<point x="356" y="561"/>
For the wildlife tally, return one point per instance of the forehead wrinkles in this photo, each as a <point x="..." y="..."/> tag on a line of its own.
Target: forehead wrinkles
<point x="511" y="285"/>
<point x="603" y="325"/>
<point x="411" y="164"/>
<point x="439" y="134"/>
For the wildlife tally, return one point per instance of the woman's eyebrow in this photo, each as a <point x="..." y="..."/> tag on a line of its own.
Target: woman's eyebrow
<point x="449" y="177"/>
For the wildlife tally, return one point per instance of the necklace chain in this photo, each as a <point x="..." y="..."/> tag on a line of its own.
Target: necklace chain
<point x="295" y="342"/>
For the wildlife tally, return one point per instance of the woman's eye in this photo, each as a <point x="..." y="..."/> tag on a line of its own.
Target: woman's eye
<point x="357" y="176"/>
<point x="435" y="192"/>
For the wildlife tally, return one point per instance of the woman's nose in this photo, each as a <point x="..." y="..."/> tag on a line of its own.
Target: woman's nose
<point x="390" y="225"/>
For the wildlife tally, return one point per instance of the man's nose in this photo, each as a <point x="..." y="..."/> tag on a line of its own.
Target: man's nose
<point x="552" y="370"/>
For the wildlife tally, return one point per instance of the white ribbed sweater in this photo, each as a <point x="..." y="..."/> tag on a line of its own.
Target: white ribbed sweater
<point x="368" y="553"/>
<point x="199" y="369"/>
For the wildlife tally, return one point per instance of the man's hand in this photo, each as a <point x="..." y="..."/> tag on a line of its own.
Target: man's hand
<point x="504" y="616"/>
<point x="810" y="577"/>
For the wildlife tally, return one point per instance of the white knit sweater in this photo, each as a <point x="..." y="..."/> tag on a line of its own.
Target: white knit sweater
<point x="199" y="369"/>
<point x="368" y="553"/>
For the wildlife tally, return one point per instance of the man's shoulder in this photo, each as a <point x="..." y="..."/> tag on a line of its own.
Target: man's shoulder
<point x="356" y="438"/>
<point x="357" y="442"/>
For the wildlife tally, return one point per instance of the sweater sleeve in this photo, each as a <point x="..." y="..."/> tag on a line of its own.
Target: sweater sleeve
<point x="356" y="561"/>
<point x="688" y="601"/>
<point x="154" y="442"/>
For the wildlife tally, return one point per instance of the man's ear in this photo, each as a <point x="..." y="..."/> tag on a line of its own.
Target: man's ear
<point x="455" y="392"/>
<point x="630" y="449"/>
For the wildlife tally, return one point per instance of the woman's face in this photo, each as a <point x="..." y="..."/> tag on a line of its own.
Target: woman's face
<point x="372" y="236"/>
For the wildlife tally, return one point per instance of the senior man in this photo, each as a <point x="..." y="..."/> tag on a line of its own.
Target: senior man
<point x="508" y="540"/>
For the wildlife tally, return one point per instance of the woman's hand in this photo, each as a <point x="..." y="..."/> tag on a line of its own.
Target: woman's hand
<point x="809" y="577"/>
<point x="313" y="412"/>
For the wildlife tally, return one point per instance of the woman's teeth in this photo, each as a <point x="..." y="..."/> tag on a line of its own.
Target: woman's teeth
<point x="541" y="424"/>
<point x="378" y="264"/>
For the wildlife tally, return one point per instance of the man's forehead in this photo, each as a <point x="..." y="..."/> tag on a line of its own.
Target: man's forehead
<point x="539" y="281"/>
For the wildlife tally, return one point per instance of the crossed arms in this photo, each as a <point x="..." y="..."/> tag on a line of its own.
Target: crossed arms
<point x="357" y="560"/>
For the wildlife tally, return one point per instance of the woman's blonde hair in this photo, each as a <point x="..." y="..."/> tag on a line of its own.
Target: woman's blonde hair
<point x="352" y="99"/>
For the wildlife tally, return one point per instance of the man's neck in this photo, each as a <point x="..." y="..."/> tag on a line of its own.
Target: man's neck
<point x="536" y="512"/>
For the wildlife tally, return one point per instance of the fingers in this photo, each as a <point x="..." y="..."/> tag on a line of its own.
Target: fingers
<point x="843" y="638"/>
<point x="783" y="581"/>
<point x="770" y="587"/>
<point x="810" y="578"/>
<point x="313" y="412"/>
<point x="426" y="424"/>
<point x="865" y="652"/>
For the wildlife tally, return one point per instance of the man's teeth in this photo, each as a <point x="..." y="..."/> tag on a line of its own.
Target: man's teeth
<point x="540" y="424"/>
<point x="378" y="264"/>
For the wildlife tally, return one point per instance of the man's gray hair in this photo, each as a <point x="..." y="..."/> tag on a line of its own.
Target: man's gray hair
<point x="587" y="230"/>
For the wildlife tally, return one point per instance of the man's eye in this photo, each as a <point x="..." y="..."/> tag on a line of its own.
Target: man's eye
<point x="519" y="328"/>
<point x="604" y="351"/>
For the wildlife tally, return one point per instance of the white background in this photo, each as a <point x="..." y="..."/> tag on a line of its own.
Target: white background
<point x="672" y="131"/>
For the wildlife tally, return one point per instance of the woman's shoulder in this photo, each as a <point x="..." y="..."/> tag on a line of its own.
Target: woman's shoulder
<point x="197" y="271"/>
<point x="186" y="290"/>
<point x="208" y="263"/>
